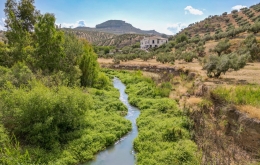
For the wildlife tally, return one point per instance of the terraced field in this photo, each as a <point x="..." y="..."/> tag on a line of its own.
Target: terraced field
<point x="224" y="22"/>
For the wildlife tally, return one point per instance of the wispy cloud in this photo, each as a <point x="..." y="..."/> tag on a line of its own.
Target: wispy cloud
<point x="193" y="11"/>
<point x="238" y="7"/>
<point x="80" y="23"/>
<point x="176" y="27"/>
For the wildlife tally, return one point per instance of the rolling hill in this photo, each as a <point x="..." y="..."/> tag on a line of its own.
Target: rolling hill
<point x="112" y="33"/>
<point x="224" y="22"/>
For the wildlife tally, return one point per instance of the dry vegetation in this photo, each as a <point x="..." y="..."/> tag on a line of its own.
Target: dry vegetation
<point x="222" y="22"/>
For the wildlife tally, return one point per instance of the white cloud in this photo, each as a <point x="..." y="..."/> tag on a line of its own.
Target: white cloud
<point x="2" y="24"/>
<point x="80" y="23"/>
<point x="176" y="27"/>
<point x="193" y="10"/>
<point x="238" y="7"/>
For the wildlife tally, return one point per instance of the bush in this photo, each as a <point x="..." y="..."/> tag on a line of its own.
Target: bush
<point x="216" y="65"/>
<point x="18" y="75"/>
<point x="102" y="81"/>
<point x="188" y="56"/>
<point x="45" y="117"/>
<point x="253" y="47"/>
<point x="222" y="46"/>
<point x="165" y="58"/>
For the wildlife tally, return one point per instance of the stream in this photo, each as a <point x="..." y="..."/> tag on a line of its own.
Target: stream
<point x="122" y="152"/>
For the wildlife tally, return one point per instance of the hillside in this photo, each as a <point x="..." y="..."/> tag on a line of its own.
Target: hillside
<point x="112" y="33"/>
<point x="121" y="27"/>
<point x="224" y="23"/>
<point x="120" y="41"/>
<point x="118" y="27"/>
<point x="91" y="36"/>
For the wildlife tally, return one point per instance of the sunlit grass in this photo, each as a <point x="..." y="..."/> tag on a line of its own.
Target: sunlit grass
<point x="240" y="95"/>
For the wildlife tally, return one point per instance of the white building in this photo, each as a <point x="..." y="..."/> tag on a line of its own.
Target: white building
<point x="151" y="42"/>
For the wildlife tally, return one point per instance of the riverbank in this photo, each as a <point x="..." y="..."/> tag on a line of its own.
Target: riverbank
<point x="122" y="152"/>
<point x="164" y="129"/>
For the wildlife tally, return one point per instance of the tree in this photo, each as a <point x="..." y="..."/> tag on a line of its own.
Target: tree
<point x="252" y="46"/>
<point x="20" y="19"/>
<point x="88" y="65"/>
<point x="216" y="65"/>
<point x="181" y="38"/>
<point x="49" y="41"/>
<point x="188" y="56"/>
<point x="255" y="28"/>
<point x="222" y="46"/>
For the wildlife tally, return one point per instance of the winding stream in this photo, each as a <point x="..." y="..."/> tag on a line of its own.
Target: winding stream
<point x="122" y="152"/>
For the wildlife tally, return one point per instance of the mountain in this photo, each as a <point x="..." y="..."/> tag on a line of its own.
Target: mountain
<point x="112" y="33"/>
<point x="118" y="27"/>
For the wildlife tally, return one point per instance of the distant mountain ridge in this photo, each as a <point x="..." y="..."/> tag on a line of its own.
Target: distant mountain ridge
<point x="118" y="27"/>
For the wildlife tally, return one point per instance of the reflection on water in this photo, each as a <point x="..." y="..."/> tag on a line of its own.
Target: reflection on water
<point x="122" y="152"/>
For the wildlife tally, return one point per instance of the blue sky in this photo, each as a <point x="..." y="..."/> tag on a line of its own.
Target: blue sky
<point x="165" y="16"/>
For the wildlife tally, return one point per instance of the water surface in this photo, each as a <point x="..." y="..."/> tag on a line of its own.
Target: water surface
<point x="122" y="152"/>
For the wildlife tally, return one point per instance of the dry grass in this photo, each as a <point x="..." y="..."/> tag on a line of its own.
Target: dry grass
<point x="249" y="74"/>
<point x="252" y="112"/>
<point x="193" y="101"/>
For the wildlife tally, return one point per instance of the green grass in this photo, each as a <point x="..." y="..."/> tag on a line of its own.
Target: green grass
<point x="164" y="136"/>
<point x="79" y="121"/>
<point x="241" y="95"/>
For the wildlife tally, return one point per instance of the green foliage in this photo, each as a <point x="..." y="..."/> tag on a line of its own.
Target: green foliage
<point x="146" y="56"/>
<point x="44" y="117"/>
<point x="49" y="41"/>
<point x="11" y="154"/>
<point x="222" y="46"/>
<point x="181" y="38"/>
<point x="165" y="58"/>
<point x="18" y="75"/>
<point x="163" y="136"/>
<point x="5" y="58"/>
<point x="88" y="65"/>
<point x="187" y="56"/>
<point x="136" y="45"/>
<point x="58" y="125"/>
<point x="242" y="94"/>
<point x="102" y="81"/>
<point x="217" y="65"/>
<point x="253" y="47"/>
<point x="255" y="28"/>
<point x="20" y="19"/>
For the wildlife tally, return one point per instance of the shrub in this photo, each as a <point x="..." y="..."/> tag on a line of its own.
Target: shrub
<point x="188" y="56"/>
<point x="165" y="58"/>
<point x="222" y="46"/>
<point x="216" y="65"/>
<point x="45" y="117"/>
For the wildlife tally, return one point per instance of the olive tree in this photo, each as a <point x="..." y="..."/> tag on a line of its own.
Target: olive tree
<point x="222" y="46"/>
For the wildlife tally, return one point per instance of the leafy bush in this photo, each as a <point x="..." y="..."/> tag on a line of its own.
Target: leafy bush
<point x="216" y="65"/>
<point x="188" y="56"/>
<point x="222" y="46"/>
<point x="44" y="117"/>
<point x="18" y="75"/>
<point x="165" y="58"/>
<point x="253" y="47"/>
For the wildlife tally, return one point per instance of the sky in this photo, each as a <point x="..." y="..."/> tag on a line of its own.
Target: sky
<point x="165" y="16"/>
